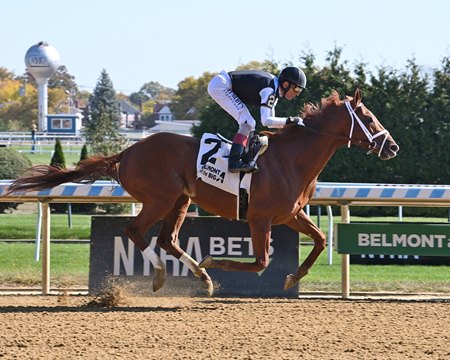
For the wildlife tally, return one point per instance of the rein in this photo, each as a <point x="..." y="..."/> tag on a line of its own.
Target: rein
<point x="372" y="145"/>
<point x="325" y="133"/>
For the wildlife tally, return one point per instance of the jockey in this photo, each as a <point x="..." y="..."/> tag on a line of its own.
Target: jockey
<point x="234" y="90"/>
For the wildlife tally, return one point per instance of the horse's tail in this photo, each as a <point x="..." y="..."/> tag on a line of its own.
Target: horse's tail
<point x="86" y="172"/>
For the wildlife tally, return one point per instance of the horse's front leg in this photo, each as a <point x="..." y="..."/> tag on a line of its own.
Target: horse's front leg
<point x="260" y="234"/>
<point x="302" y="223"/>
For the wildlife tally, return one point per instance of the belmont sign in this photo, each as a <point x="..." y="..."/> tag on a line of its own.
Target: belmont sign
<point x="394" y="239"/>
<point x="113" y="255"/>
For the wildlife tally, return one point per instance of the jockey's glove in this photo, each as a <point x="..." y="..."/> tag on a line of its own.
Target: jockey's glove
<point x="294" y="120"/>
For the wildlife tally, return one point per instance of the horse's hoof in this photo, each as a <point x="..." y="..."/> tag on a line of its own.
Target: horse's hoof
<point x="290" y="281"/>
<point x="207" y="284"/>
<point x="159" y="279"/>
<point x="209" y="287"/>
<point x="206" y="262"/>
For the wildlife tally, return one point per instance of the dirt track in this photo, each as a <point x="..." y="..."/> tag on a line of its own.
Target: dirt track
<point x="63" y="327"/>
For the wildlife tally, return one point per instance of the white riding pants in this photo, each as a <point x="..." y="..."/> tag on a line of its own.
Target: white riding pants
<point x="220" y="89"/>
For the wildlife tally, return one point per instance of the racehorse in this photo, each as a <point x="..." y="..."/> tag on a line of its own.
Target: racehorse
<point x="160" y="172"/>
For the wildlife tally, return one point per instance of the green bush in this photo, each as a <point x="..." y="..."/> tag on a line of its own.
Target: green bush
<point x="88" y="208"/>
<point x="84" y="153"/>
<point x="58" y="160"/>
<point x="12" y="165"/>
<point x="115" y="209"/>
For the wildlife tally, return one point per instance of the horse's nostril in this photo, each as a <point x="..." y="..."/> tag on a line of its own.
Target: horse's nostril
<point x="394" y="148"/>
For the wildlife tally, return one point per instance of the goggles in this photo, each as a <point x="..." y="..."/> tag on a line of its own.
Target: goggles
<point x="296" y="88"/>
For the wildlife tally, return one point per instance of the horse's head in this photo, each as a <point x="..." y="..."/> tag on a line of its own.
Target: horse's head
<point x="366" y="131"/>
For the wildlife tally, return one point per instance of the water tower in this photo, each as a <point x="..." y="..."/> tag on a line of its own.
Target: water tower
<point x="42" y="61"/>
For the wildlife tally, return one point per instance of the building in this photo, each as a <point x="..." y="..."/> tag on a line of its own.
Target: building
<point x="162" y="112"/>
<point x="129" y="115"/>
<point x="182" y="127"/>
<point x="64" y="123"/>
<point x="69" y="123"/>
<point x="165" y="121"/>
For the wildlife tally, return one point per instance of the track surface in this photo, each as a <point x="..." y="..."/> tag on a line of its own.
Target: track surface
<point x="65" y="327"/>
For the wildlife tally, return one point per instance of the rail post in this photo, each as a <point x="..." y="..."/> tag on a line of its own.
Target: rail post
<point x="46" y="248"/>
<point x="330" y="235"/>
<point x="345" y="270"/>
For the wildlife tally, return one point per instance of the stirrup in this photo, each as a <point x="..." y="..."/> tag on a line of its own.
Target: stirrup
<point x="239" y="166"/>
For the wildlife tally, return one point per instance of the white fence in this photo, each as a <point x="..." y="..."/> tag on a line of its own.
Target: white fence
<point x="15" y="138"/>
<point x="41" y="138"/>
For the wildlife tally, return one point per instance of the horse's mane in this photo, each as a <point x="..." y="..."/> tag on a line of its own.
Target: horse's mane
<point x="311" y="110"/>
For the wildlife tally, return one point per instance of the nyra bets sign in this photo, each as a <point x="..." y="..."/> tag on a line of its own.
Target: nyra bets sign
<point x="394" y="239"/>
<point x="113" y="255"/>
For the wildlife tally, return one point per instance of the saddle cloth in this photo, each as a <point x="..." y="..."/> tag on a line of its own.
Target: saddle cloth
<point x="212" y="165"/>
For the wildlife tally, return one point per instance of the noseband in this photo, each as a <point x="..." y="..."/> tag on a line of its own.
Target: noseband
<point x="370" y="138"/>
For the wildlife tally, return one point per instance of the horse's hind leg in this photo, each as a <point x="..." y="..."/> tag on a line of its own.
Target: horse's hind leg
<point x="168" y="240"/>
<point x="136" y="231"/>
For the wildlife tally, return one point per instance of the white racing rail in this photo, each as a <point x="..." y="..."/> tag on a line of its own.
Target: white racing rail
<point x="326" y="194"/>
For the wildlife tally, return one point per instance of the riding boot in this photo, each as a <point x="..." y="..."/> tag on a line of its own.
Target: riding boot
<point x="235" y="163"/>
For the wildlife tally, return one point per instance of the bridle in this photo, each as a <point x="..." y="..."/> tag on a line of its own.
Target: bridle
<point x="372" y="145"/>
<point x="370" y="138"/>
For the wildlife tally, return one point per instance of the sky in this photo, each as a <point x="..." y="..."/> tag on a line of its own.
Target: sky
<point x="138" y="41"/>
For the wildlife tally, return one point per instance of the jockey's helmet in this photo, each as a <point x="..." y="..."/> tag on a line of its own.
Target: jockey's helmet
<point x="294" y="76"/>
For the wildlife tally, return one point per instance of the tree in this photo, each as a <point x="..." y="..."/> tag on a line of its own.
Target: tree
<point x="12" y="165"/>
<point x="84" y="153"/>
<point x="17" y="112"/>
<point x="155" y="91"/>
<point x="138" y="98"/>
<point x="150" y="93"/>
<point x="19" y="102"/>
<point x="437" y="126"/>
<point x="269" y="66"/>
<point x="84" y="208"/>
<point x="9" y="90"/>
<point x="191" y="96"/>
<point x="6" y="74"/>
<point x="58" y="160"/>
<point x="102" y="128"/>
<point x="59" y="101"/>
<point x="62" y="79"/>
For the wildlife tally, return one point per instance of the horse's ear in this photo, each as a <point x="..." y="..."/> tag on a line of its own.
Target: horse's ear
<point x="357" y="97"/>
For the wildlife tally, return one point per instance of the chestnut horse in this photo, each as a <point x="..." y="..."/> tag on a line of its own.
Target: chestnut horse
<point x="160" y="172"/>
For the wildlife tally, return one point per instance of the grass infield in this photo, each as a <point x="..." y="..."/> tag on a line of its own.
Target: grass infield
<point x="70" y="262"/>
